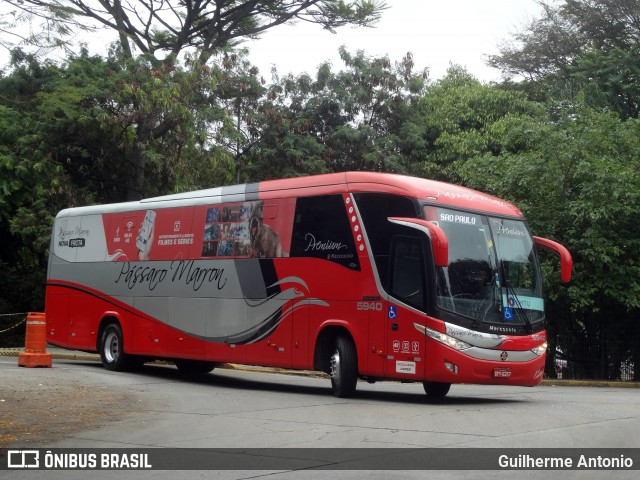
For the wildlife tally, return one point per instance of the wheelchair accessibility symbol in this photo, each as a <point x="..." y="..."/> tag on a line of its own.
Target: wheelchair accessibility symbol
<point x="508" y="313"/>
<point x="392" y="312"/>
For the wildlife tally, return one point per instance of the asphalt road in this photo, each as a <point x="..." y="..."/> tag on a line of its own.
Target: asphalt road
<point x="77" y="404"/>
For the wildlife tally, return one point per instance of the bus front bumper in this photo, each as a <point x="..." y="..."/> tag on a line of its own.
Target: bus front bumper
<point x="483" y="366"/>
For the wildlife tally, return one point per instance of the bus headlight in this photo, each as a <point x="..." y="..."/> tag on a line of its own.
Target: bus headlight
<point x="447" y="340"/>
<point x="540" y="349"/>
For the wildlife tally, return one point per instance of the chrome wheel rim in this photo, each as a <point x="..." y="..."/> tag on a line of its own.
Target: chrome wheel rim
<point x="335" y="366"/>
<point x="111" y="347"/>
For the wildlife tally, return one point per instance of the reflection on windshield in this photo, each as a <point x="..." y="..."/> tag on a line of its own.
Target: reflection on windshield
<point x="493" y="275"/>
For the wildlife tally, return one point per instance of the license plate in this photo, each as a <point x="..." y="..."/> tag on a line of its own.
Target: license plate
<point x="501" y="372"/>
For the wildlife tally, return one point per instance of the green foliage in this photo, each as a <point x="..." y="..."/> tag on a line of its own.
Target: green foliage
<point x="575" y="173"/>
<point x="577" y="178"/>
<point x="459" y="115"/>
<point x="155" y="93"/>
<point x="563" y="145"/>
<point x="352" y="119"/>
<point x="611" y="79"/>
<point x="588" y="47"/>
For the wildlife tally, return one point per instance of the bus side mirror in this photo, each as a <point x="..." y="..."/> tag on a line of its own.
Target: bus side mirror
<point x="439" y="242"/>
<point x="566" y="263"/>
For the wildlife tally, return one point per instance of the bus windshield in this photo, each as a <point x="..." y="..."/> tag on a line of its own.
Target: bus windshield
<point x="493" y="276"/>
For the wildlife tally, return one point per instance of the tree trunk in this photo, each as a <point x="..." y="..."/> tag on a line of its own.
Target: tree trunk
<point x="136" y="184"/>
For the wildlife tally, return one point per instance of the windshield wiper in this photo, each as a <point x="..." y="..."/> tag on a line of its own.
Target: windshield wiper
<point x="498" y="300"/>
<point x="511" y="291"/>
<point x="489" y="302"/>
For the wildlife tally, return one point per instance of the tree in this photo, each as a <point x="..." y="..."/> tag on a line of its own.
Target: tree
<point x="152" y="36"/>
<point x="27" y="180"/>
<point x="65" y="133"/>
<point x="458" y="114"/>
<point x="587" y="47"/>
<point x="579" y="176"/>
<point x="545" y="47"/>
<point x="378" y="99"/>
<point x="550" y="45"/>
<point x="240" y="92"/>
<point x="611" y="79"/>
<point x="352" y="119"/>
<point x="576" y="177"/>
<point x="42" y="29"/>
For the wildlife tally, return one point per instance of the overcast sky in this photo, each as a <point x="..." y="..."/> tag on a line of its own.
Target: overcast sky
<point x="436" y="32"/>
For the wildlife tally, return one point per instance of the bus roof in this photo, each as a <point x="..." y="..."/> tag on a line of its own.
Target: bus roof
<point x="434" y="192"/>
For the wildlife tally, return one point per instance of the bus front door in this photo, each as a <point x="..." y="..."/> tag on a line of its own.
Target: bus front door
<point x="407" y="287"/>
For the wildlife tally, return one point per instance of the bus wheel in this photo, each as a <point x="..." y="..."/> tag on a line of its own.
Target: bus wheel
<point x="111" y="348"/>
<point x="436" y="389"/>
<point x="343" y="368"/>
<point x="194" y="367"/>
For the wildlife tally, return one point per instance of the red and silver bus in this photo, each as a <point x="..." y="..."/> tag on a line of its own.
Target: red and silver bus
<point x="360" y="275"/>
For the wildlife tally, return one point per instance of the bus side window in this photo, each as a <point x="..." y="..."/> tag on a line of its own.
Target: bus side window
<point x="321" y="229"/>
<point x="407" y="272"/>
<point x="375" y="209"/>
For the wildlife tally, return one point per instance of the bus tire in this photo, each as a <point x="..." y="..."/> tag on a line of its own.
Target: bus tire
<point x="194" y="367"/>
<point x="435" y="390"/>
<point x="344" y="367"/>
<point x="111" y="349"/>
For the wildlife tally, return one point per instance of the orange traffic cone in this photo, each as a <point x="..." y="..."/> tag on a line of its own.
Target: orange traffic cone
<point x="35" y="347"/>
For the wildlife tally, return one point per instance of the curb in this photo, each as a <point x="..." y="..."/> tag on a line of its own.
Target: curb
<point x="281" y="371"/>
<point x="61" y="354"/>
<point x="87" y="357"/>
<point x="552" y="382"/>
